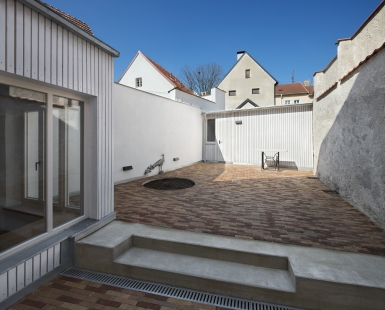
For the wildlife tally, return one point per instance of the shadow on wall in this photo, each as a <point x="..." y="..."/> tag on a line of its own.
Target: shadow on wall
<point x="352" y="154"/>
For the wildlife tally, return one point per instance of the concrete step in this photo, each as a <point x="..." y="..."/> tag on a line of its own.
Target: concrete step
<point x="213" y="251"/>
<point x="283" y="274"/>
<point x="198" y="272"/>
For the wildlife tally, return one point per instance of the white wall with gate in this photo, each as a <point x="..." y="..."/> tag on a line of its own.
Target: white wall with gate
<point x="241" y="135"/>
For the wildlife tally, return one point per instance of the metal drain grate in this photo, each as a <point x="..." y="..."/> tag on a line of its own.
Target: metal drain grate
<point x="172" y="291"/>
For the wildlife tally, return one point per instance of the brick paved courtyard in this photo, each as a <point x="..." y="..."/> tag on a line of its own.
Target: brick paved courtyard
<point x="285" y="207"/>
<point x="69" y="293"/>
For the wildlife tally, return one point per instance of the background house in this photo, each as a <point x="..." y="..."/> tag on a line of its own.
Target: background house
<point x="349" y="115"/>
<point x="55" y="110"/>
<point x="145" y="74"/>
<point x="294" y="93"/>
<point x="248" y="84"/>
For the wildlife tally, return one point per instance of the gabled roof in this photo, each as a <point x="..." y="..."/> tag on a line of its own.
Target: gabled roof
<point x="293" y="88"/>
<point x="246" y="53"/>
<point x="166" y="74"/>
<point x="246" y="102"/>
<point x="75" y="21"/>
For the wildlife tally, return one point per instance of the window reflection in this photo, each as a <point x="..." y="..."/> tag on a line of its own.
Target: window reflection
<point x="22" y="165"/>
<point x="67" y="161"/>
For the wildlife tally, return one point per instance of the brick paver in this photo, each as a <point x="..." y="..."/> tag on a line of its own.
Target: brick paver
<point x="284" y="207"/>
<point x="68" y="296"/>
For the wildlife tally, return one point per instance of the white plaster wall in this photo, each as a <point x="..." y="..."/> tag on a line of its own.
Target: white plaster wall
<point x="218" y="96"/>
<point x="371" y="37"/>
<point x="152" y="80"/>
<point x="236" y="80"/>
<point x="203" y="103"/>
<point x="147" y="126"/>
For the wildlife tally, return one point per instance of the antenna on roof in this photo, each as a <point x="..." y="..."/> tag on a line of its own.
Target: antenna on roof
<point x="292" y="77"/>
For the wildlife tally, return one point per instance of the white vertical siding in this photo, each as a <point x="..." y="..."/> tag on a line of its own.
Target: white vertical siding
<point x="18" y="277"/>
<point x="33" y="46"/>
<point x="287" y="128"/>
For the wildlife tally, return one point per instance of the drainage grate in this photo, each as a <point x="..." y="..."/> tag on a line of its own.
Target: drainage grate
<point x="313" y="178"/>
<point x="329" y="191"/>
<point x="172" y="291"/>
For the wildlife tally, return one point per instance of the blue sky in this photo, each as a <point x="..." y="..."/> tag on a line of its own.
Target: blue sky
<point x="282" y="35"/>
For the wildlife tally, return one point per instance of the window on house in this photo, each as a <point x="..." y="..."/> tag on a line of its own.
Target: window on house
<point x="211" y="130"/>
<point x="247" y="73"/>
<point x="232" y="93"/>
<point x="255" y="91"/>
<point x="138" y="82"/>
<point x="296" y="101"/>
<point x="287" y="101"/>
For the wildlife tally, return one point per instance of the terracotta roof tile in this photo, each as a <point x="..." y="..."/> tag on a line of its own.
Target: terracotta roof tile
<point x="70" y="18"/>
<point x="293" y="88"/>
<point x="170" y="77"/>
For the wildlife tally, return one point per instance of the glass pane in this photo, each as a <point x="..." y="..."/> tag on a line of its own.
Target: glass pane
<point x="67" y="163"/>
<point x="211" y="130"/>
<point x="22" y="150"/>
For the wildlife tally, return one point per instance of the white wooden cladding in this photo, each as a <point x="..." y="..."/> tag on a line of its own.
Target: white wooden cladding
<point x="35" y="47"/>
<point x="29" y="271"/>
<point x="286" y="128"/>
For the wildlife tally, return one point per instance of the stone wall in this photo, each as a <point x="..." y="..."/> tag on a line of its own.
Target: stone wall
<point x="349" y="123"/>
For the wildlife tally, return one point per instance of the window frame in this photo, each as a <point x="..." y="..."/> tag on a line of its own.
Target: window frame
<point x="257" y="89"/>
<point x="232" y="91"/>
<point x="287" y="101"/>
<point x="247" y="73"/>
<point x="299" y="101"/>
<point x="138" y="82"/>
<point x="89" y="107"/>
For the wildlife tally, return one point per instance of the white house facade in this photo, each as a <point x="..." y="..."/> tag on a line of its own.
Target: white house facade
<point x="145" y="74"/>
<point x="55" y="111"/>
<point x="248" y="84"/>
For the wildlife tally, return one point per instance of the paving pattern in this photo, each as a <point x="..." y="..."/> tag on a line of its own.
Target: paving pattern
<point x="69" y="293"/>
<point x="242" y="201"/>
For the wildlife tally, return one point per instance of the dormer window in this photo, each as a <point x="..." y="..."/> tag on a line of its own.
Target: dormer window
<point x="247" y="73"/>
<point x="138" y="82"/>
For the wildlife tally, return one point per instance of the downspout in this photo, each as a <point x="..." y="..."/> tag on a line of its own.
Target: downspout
<point x="281" y="99"/>
<point x="203" y="137"/>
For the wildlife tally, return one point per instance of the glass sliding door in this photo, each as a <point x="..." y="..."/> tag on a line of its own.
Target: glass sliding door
<point x="22" y="165"/>
<point x="67" y="161"/>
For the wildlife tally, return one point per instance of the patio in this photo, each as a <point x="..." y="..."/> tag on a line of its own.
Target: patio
<point x="242" y="201"/>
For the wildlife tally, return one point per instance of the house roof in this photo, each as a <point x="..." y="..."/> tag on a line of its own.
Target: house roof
<point x="167" y="75"/>
<point x="75" y="21"/>
<point x="246" y="53"/>
<point x="293" y="88"/>
<point x="246" y="102"/>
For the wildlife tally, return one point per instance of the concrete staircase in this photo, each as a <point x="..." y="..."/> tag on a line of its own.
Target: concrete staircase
<point x="262" y="271"/>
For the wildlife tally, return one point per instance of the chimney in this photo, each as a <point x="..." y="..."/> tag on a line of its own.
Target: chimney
<point x="240" y="54"/>
<point x="306" y="83"/>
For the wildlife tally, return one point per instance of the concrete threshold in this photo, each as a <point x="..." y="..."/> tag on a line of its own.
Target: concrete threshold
<point x="277" y="273"/>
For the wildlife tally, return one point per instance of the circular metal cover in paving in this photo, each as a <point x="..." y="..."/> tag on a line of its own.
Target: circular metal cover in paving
<point x="169" y="184"/>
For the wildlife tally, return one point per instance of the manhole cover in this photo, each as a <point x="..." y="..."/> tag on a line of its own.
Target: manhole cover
<point x="169" y="184"/>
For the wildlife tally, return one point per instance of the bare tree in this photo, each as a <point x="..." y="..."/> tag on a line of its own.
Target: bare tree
<point x="202" y="78"/>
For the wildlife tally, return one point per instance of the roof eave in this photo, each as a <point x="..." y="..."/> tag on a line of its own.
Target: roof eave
<point x="49" y="13"/>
